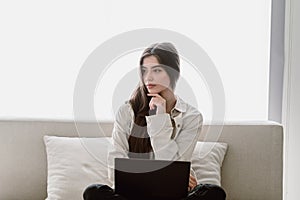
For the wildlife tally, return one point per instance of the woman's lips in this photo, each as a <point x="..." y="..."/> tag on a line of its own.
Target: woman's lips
<point x="149" y="86"/>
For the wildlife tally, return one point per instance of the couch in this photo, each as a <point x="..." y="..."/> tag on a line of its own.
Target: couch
<point x="252" y="167"/>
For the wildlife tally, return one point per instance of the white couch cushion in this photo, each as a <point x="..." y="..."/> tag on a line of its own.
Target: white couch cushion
<point x="74" y="163"/>
<point x="207" y="161"/>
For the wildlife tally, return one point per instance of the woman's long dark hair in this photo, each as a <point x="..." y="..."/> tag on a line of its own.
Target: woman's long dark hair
<point x="166" y="54"/>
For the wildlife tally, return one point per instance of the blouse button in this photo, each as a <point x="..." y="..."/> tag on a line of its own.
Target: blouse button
<point x="178" y="125"/>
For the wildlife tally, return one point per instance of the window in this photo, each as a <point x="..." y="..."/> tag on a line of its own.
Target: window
<point x="42" y="53"/>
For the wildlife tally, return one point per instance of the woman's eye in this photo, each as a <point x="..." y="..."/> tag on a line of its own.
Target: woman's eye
<point x="157" y="70"/>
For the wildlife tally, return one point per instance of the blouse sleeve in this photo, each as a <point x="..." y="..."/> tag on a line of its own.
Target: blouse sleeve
<point x="120" y="135"/>
<point x="160" y="129"/>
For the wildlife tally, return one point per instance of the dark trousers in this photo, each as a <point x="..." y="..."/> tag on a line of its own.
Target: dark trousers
<point x="200" y="192"/>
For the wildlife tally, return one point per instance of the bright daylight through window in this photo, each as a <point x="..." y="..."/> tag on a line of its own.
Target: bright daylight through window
<point x="41" y="56"/>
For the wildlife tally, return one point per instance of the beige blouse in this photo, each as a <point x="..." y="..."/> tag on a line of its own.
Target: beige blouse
<point x="168" y="143"/>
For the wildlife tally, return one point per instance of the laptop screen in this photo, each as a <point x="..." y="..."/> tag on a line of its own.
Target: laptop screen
<point x="151" y="179"/>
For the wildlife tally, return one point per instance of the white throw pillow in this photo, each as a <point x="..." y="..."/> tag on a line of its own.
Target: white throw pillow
<point x="74" y="163"/>
<point x="207" y="161"/>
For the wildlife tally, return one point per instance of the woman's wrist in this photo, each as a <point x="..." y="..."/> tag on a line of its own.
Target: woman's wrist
<point x="161" y="110"/>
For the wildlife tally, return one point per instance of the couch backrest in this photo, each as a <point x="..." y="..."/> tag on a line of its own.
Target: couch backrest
<point x="252" y="168"/>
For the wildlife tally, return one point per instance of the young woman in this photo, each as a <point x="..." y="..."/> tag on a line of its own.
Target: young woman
<point x="156" y="124"/>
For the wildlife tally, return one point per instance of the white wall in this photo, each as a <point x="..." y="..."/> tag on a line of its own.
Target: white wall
<point x="291" y="106"/>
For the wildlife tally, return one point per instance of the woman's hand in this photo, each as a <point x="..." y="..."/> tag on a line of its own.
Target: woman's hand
<point x="192" y="183"/>
<point x="159" y="102"/>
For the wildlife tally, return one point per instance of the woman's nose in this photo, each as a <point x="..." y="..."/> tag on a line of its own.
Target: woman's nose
<point x="148" y="76"/>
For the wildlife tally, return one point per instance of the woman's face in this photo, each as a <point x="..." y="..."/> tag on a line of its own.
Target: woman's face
<point x="155" y="77"/>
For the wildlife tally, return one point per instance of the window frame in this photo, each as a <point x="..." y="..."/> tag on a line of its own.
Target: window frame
<point x="276" y="60"/>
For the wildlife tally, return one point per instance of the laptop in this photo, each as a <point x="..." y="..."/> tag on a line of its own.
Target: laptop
<point x="151" y="179"/>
